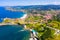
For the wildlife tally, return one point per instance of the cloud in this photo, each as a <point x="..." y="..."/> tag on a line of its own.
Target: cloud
<point x="28" y="2"/>
<point x="56" y="3"/>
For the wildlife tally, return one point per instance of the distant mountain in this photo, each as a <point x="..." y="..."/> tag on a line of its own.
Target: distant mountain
<point x="39" y="7"/>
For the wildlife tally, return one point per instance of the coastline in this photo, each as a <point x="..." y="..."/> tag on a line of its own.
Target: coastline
<point x="1" y="24"/>
<point x="23" y="17"/>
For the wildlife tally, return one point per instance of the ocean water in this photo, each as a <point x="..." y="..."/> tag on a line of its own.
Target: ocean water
<point x="9" y="14"/>
<point x="13" y="32"/>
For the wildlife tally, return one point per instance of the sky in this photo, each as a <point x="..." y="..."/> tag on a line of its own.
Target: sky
<point x="28" y="2"/>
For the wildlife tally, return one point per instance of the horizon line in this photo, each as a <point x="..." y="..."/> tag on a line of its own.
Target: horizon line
<point x="28" y="5"/>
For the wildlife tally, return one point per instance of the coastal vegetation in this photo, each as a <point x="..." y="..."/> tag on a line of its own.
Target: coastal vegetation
<point x="45" y="22"/>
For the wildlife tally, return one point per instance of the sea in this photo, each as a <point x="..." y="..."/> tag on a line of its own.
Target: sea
<point x="12" y="32"/>
<point x="9" y="14"/>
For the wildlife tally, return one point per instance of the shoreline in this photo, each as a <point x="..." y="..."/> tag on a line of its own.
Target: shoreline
<point x="1" y="24"/>
<point x="23" y="17"/>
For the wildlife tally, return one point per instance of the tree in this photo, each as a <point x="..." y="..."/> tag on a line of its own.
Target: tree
<point x="54" y="24"/>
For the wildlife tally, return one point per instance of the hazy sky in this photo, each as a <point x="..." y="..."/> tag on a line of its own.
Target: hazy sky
<point x="28" y="2"/>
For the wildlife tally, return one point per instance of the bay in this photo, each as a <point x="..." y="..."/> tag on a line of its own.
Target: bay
<point x="13" y="32"/>
<point x="9" y="14"/>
